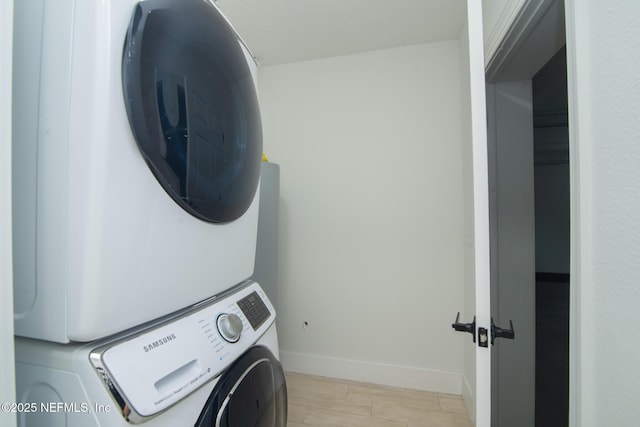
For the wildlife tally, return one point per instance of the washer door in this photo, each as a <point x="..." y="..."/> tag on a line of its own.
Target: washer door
<point x="193" y="107"/>
<point x="252" y="392"/>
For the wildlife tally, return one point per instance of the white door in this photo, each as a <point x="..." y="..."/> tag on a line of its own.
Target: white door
<point x="477" y="375"/>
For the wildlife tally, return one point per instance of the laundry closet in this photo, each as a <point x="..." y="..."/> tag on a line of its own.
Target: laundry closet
<point x="376" y="199"/>
<point x="347" y="281"/>
<point x="377" y="148"/>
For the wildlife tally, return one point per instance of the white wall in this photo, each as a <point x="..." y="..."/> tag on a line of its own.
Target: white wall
<point x="603" y="42"/>
<point x="371" y="211"/>
<point x="7" y="375"/>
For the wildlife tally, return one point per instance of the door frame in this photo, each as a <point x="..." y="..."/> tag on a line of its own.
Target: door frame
<point x="514" y="42"/>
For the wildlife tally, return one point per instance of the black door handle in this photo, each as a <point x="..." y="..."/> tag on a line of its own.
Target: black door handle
<point x="465" y="327"/>
<point x="498" y="332"/>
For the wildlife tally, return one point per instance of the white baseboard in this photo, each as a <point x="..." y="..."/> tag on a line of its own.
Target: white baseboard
<point x="373" y="372"/>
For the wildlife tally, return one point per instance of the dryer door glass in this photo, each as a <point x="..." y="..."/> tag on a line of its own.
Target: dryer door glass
<point x="193" y="107"/>
<point x="251" y="393"/>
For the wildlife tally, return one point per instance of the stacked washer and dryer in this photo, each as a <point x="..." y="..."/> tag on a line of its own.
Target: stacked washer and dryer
<point x="136" y="169"/>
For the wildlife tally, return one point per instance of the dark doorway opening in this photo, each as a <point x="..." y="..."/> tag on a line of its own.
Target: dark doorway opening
<point x="552" y="223"/>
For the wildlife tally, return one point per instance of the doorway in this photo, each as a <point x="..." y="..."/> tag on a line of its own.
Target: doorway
<point x="528" y="144"/>
<point x="551" y="177"/>
<point x="529" y="222"/>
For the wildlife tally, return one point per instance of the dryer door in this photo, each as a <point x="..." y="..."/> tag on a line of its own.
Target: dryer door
<point x="193" y="107"/>
<point x="252" y="392"/>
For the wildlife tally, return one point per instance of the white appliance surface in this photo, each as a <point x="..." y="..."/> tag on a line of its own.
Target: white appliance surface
<point x="99" y="245"/>
<point x="160" y="376"/>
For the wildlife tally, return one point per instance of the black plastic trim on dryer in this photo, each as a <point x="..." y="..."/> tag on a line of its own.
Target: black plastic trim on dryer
<point x="252" y="392"/>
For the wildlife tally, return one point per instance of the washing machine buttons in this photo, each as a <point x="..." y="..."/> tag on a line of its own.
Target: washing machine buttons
<point x="230" y="327"/>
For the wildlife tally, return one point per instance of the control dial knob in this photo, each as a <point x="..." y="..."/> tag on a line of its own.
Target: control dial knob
<point x="230" y="327"/>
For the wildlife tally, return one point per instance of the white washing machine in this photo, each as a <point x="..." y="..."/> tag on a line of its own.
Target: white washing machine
<point x="215" y="364"/>
<point x="136" y="156"/>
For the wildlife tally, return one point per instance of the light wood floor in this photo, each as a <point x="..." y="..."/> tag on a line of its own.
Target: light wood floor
<point x="329" y="402"/>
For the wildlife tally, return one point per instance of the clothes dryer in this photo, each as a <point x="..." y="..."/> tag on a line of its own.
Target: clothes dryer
<point x="136" y="156"/>
<point x="215" y="364"/>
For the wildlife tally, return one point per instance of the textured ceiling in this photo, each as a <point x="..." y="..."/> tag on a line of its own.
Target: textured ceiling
<point x="283" y="31"/>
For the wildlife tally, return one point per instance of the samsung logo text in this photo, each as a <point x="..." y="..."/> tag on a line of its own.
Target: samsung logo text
<point x="162" y="341"/>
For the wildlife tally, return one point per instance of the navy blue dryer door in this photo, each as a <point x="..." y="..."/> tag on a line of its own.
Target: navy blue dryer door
<point x="193" y="107"/>
<point x="251" y="393"/>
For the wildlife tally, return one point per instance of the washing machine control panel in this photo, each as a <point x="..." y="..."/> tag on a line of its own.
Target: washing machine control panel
<point x="254" y="309"/>
<point x="153" y="369"/>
